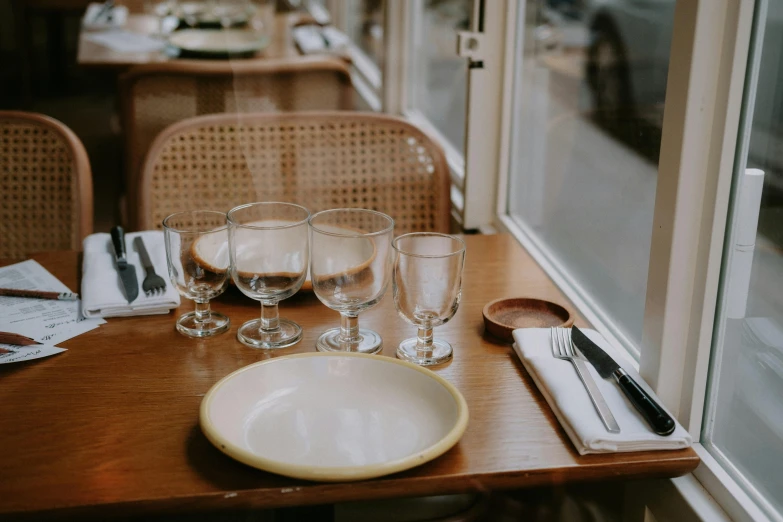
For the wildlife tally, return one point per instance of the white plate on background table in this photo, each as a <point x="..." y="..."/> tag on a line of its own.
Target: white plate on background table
<point x="219" y="42"/>
<point x="333" y="417"/>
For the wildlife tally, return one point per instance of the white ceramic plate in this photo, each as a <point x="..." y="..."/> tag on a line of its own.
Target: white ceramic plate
<point x="219" y="42"/>
<point x="333" y="417"/>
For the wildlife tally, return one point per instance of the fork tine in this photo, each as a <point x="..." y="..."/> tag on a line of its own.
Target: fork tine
<point x="567" y="335"/>
<point x="558" y="345"/>
<point x="554" y="342"/>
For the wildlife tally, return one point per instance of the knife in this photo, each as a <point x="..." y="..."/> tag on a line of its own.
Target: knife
<point x="660" y="421"/>
<point x="126" y="271"/>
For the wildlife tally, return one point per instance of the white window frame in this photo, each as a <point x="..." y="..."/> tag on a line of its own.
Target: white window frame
<point x="709" y="53"/>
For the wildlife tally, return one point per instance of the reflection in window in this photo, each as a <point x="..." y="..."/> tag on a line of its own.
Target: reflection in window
<point x="590" y="82"/>
<point x="439" y="77"/>
<point x="364" y="25"/>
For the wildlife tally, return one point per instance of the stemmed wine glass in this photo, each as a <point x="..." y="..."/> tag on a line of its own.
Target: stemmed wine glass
<point x="198" y="261"/>
<point x="427" y="286"/>
<point x="269" y="248"/>
<point x="350" y="268"/>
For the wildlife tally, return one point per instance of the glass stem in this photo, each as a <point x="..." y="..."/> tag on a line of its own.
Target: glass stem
<point x="424" y="342"/>
<point x="203" y="313"/>
<point x="270" y="319"/>
<point x="349" y="331"/>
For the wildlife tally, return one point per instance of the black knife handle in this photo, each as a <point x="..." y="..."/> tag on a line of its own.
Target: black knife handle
<point x="660" y="421"/>
<point x="118" y="240"/>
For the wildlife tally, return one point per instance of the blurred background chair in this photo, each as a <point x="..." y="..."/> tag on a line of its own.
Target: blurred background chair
<point x="318" y="159"/>
<point x="154" y="96"/>
<point x="45" y="186"/>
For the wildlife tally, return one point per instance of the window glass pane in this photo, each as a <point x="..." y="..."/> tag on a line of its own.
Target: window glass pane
<point x="364" y="25"/>
<point x="439" y="77"/>
<point x="589" y="88"/>
<point x="744" y="423"/>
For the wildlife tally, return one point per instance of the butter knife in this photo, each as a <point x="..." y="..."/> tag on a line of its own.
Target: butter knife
<point x="125" y="270"/>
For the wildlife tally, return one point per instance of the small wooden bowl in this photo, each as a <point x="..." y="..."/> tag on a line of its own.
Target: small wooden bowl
<point x="503" y="316"/>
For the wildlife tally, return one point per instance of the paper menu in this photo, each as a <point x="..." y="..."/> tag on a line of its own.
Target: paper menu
<point x="11" y="354"/>
<point x="45" y="320"/>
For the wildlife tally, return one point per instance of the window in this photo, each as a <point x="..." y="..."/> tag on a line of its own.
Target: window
<point x="438" y="77"/>
<point x="364" y="26"/>
<point x="588" y="96"/>
<point x="743" y="426"/>
<point x="361" y="23"/>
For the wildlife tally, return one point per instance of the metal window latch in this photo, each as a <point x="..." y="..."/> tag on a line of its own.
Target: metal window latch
<point x="470" y="45"/>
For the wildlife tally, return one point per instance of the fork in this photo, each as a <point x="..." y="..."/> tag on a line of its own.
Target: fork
<point x="562" y="348"/>
<point x="153" y="284"/>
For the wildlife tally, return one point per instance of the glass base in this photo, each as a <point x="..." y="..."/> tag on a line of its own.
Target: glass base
<point x="370" y="342"/>
<point x="288" y="334"/>
<point x="441" y="352"/>
<point x="187" y="325"/>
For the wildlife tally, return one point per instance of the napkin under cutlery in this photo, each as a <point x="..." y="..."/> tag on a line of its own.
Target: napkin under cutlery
<point x="102" y="293"/>
<point x="566" y="395"/>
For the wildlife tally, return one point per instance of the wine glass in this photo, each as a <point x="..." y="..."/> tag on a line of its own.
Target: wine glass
<point x="350" y="267"/>
<point x="198" y="260"/>
<point x="269" y="248"/>
<point x="427" y="284"/>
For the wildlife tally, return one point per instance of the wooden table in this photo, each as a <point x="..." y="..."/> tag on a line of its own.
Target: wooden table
<point x="111" y="425"/>
<point x="91" y="54"/>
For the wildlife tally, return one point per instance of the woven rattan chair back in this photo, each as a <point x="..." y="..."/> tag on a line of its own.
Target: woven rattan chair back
<point x="45" y="186"/>
<point x="320" y="160"/>
<point x="154" y="96"/>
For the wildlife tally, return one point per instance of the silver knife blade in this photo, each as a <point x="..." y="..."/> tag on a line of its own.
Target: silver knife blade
<point x="129" y="282"/>
<point x="659" y="420"/>
<point x="125" y="270"/>
<point x="602" y="362"/>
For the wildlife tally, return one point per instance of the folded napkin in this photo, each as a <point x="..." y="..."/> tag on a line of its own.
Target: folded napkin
<point x="123" y="41"/>
<point x="102" y="291"/>
<point x="560" y="385"/>
<point x="97" y="17"/>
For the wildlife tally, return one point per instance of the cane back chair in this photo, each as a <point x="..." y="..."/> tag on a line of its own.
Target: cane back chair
<point x="318" y="159"/>
<point x="154" y="96"/>
<point x="45" y="186"/>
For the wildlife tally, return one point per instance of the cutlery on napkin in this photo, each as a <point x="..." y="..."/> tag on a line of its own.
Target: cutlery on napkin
<point x="102" y="291"/>
<point x="567" y="397"/>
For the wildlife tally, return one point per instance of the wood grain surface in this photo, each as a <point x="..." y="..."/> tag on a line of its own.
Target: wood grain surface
<point x="111" y="426"/>
<point x="91" y="54"/>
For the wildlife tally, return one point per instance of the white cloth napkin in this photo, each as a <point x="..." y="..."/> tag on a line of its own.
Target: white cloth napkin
<point x="122" y="41"/>
<point x="96" y="17"/>
<point x="563" y="390"/>
<point x="102" y="291"/>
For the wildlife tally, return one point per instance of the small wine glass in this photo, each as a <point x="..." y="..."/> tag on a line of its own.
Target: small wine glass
<point x="350" y="268"/>
<point x="198" y="260"/>
<point x="269" y="250"/>
<point x="427" y="286"/>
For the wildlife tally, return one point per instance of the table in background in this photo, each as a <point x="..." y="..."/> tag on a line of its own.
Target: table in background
<point x="91" y="54"/>
<point x="111" y="426"/>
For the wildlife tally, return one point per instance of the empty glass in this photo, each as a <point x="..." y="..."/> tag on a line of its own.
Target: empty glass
<point x="269" y="255"/>
<point x="427" y="290"/>
<point x="350" y="267"/>
<point x="198" y="259"/>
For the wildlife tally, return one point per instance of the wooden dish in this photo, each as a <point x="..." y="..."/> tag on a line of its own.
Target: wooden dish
<point x="503" y="316"/>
